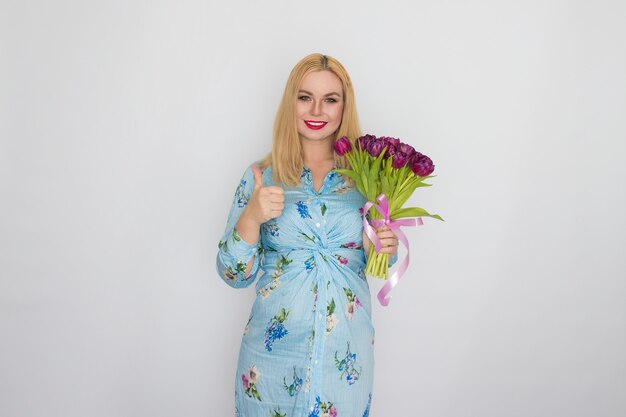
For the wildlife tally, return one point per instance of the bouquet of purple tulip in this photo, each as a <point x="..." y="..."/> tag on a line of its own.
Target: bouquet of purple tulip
<point x="386" y="171"/>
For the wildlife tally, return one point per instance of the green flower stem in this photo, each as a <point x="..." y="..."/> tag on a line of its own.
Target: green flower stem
<point x="377" y="264"/>
<point x="398" y="181"/>
<point x="374" y="260"/>
<point x="406" y="180"/>
<point x="350" y="160"/>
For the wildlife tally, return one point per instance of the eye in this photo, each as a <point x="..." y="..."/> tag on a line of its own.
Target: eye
<point x="304" y="98"/>
<point x="331" y="100"/>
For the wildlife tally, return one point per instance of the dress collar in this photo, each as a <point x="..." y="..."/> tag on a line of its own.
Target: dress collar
<point x="307" y="179"/>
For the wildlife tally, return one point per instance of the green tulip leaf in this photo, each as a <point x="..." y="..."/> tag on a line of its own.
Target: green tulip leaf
<point x="384" y="183"/>
<point x="375" y="168"/>
<point x="413" y="212"/>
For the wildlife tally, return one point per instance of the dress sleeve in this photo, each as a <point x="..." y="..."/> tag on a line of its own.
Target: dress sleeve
<point x="234" y="252"/>
<point x="393" y="259"/>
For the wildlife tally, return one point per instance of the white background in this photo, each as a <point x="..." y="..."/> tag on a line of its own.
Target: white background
<point x="125" y="127"/>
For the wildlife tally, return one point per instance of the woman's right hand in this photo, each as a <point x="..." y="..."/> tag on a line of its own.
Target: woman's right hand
<point x="265" y="203"/>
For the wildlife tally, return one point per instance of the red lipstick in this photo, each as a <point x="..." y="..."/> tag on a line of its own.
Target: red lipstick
<point x="315" y="124"/>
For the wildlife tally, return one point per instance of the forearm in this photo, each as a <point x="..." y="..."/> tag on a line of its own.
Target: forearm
<point x="249" y="230"/>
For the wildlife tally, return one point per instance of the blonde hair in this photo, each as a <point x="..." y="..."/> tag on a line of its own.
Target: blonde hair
<point x="286" y="155"/>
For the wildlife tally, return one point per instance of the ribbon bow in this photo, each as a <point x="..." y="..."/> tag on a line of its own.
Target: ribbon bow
<point x="383" y="208"/>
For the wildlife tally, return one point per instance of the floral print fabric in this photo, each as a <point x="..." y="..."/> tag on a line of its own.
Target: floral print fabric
<point x="307" y="347"/>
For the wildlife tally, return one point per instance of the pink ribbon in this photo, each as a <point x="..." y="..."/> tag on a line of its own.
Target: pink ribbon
<point x="394" y="225"/>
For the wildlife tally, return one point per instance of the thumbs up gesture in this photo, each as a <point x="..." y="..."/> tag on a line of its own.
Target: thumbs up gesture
<point x="265" y="202"/>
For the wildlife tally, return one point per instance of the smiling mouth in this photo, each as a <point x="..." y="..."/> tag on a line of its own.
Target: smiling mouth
<point x="315" y="125"/>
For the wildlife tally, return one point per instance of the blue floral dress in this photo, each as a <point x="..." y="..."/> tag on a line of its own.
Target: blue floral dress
<point x="307" y="348"/>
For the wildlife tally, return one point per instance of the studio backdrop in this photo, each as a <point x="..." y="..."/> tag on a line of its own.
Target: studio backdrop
<point x="125" y="127"/>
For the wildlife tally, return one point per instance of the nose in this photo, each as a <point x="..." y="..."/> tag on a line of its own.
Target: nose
<point x="316" y="108"/>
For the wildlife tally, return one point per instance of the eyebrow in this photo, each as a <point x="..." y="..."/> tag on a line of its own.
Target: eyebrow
<point x="325" y="95"/>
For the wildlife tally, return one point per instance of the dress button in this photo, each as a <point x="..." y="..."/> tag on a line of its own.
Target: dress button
<point x="317" y="224"/>
<point x="319" y="315"/>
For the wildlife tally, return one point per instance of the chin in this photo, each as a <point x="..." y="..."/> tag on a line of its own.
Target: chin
<point x="316" y="136"/>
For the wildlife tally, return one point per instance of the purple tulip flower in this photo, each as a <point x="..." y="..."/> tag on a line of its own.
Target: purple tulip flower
<point x="399" y="159"/>
<point x="421" y="165"/>
<point x="393" y="141"/>
<point x="390" y="152"/>
<point x="407" y="149"/>
<point x="362" y="142"/>
<point x="342" y="146"/>
<point x="375" y="147"/>
<point x="392" y="146"/>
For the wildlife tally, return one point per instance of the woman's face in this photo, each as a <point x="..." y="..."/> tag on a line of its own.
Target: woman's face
<point x="319" y="106"/>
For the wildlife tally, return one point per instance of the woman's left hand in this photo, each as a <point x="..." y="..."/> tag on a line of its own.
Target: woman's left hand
<point x="388" y="241"/>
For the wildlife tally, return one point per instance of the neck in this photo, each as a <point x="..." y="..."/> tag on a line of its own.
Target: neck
<point x="317" y="152"/>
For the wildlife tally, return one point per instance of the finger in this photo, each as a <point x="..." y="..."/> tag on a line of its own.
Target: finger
<point x="258" y="177"/>
<point x="275" y="213"/>
<point x="270" y="199"/>
<point x="276" y="198"/>
<point x="274" y="189"/>
<point x="277" y="206"/>
<point x="269" y="206"/>
<point x="386" y="250"/>
<point x="265" y="194"/>
<point x="389" y="242"/>
<point x="385" y="234"/>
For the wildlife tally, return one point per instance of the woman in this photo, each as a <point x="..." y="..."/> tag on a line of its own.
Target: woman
<point x="307" y="349"/>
